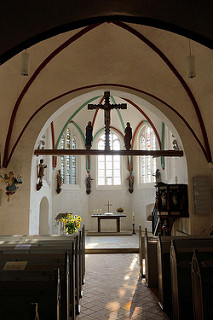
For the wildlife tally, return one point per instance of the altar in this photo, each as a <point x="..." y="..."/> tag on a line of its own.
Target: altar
<point x="116" y="217"/>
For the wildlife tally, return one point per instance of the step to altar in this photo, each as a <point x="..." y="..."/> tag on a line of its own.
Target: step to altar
<point x="111" y="250"/>
<point x="108" y="233"/>
<point x="113" y="242"/>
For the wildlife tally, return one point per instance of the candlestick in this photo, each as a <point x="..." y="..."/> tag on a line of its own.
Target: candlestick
<point x="133" y="223"/>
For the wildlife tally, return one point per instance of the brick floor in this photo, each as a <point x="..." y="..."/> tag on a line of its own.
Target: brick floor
<point x="114" y="290"/>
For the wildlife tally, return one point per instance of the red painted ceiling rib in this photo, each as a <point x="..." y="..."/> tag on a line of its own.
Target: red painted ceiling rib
<point x="133" y="141"/>
<point x="145" y="115"/>
<point x="118" y="131"/>
<point x="54" y="158"/>
<point x="206" y="151"/>
<point x="32" y="79"/>
<point x="135" y="132"/>
<point x="180" y="78"/>
<point x="101" y="85"/>
<point x="96" y="112"/>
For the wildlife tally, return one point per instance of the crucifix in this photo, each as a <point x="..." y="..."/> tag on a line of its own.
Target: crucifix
<point x="107" y="107"/>
<point x="108" y="205"/>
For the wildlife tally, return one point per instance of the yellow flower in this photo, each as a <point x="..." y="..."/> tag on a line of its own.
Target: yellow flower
<point x="79" y="218"/>
<point x="78" y="225"/>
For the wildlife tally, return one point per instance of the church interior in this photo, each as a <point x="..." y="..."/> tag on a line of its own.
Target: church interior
<point x="56" y="59"/>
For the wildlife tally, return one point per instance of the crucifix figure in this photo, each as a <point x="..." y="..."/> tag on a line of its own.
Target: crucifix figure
<point x="107" y="107"/>
<point x="108" y="205"/>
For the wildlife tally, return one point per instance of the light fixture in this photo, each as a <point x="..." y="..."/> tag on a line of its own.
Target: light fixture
<point x="25" y="63"/>
<point x="191" y="63"/>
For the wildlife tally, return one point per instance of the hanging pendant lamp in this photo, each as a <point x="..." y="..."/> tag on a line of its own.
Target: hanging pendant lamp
<point x="191" y="63"/>
<point x="25" y="63"/>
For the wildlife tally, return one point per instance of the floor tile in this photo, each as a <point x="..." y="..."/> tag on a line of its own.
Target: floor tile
<point x="114" y="290"/>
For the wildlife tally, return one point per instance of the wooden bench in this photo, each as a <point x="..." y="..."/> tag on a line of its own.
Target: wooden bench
<point x="164" y="271"/>
<point x="181" y="253"/>
<point x="41" y="279"/>
<point x="141" y="251"/>
<point x="37" y="244"/>
<point x="150" y="253"/>
<point x="202" y="285"/>
<point x="62" y="241"/>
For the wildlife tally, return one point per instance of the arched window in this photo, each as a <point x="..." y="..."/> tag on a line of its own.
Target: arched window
<point x="68" y="163"/>
<point x="109" y="167"/>
<point x="147" y="164"/>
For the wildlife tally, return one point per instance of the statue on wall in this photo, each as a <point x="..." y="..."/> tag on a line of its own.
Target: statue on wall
<point x="88" y="183"/>
<point x="175" y="145"/>
<point x="128" y="136"/>
<point x="157" y="176"/>
<point x="59" y="182"/>
<point x="89" y="136"/>
<point x="41" y="168"/>
<point x="131" y="182"/>
<point x="11" y="182"/>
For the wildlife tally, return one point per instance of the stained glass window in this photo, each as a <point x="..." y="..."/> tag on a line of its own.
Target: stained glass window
<point x="68" y="163"/>
<point x="147" y="167"/>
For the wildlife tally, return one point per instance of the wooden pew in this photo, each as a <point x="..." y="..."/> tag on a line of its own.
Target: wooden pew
<point x="202" y="285"/>
<point x="181" y="253"/>
<point x="83" y="254"/>
<point x="164" y="271"/>
<point x="40" y="279"/>
<point x="64" y="243"/>
<point x="38" y="246"/>
<point x="164" y="274"/>
<point x="57" y="240"/>
<point x="150" y="248"/>
<point x="141" y="251"/>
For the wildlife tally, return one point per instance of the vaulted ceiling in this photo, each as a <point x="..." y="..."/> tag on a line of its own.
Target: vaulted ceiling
<point x="124" y="46"/>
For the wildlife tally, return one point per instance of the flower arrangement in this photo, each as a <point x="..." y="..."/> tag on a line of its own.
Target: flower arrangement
<point x="71" y="223"/>
<point x="120" y="210"/>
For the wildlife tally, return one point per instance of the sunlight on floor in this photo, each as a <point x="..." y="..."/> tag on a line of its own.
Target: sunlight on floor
<point x="113" y="290"/>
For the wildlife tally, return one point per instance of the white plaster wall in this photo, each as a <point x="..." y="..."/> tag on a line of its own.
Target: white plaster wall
<point x="46" y="190"/>
<point x="73" y="198"/>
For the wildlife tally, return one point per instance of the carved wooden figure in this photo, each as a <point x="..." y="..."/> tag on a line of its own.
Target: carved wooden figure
<point x="11" y="182"/>
<point x="41" y="168"/>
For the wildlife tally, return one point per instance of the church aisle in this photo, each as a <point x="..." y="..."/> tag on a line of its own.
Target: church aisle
<point x="114" y="290"/>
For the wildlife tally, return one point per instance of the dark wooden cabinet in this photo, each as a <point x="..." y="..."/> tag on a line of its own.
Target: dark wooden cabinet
<point x="171" y="203"/>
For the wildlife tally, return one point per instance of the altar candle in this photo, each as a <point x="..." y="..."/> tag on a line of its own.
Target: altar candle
<point x="133" y="218"/>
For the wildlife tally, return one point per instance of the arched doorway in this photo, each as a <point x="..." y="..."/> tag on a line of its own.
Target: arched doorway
<point x="43" y="216"/>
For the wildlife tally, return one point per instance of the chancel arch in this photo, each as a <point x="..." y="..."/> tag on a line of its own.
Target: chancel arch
<point x="73" y="197"/>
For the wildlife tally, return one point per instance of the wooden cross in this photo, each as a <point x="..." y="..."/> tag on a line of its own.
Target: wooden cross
<point x="107" y="107"/>
<point x="108" y="205"/>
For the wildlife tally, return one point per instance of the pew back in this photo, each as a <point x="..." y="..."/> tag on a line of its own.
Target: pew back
<point x="40" y="279"/>
<point x="150" y="247"/>
<point x="181" y="253"/>
<point x="202" y="285"/>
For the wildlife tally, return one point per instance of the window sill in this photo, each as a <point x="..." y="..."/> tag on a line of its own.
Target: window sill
<point x="100" y="188"/>
<point x="70" y="187"/>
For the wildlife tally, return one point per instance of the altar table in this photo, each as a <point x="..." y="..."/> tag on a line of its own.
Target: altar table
<point x="109" y="216"/>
